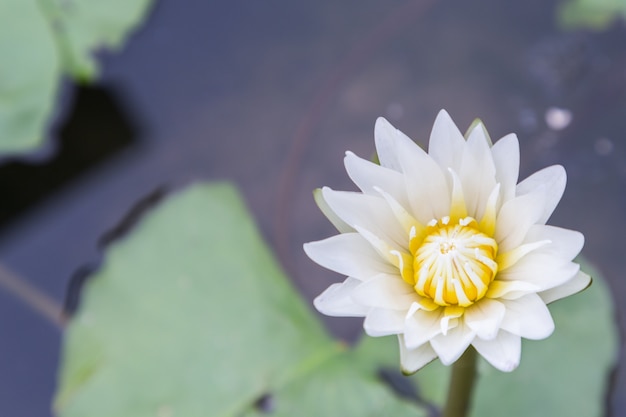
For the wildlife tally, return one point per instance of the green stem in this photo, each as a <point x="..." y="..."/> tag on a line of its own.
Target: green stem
<point x="461" y="385"/>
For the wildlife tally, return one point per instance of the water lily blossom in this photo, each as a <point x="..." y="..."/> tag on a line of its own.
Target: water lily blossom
<point x="445" y="249"/>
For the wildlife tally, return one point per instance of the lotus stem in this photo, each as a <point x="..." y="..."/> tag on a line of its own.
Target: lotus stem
<point x="461" y="385"/>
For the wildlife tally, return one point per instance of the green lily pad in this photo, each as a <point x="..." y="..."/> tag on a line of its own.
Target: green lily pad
<point x="83" y="26"/>
<point x="31" y="69"/>
<point x="191" y="316"/>
<point x="40" y="41"/>
<point x="590" y="14"/>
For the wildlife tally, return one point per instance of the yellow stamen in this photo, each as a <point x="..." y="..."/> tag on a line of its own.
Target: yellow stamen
<point x="455" y="263"/>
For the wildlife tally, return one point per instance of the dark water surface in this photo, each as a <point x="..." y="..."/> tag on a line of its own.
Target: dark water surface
<point x="269" y="95"/>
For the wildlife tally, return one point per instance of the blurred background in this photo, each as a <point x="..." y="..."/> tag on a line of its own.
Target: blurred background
<point x="270" y="94"/>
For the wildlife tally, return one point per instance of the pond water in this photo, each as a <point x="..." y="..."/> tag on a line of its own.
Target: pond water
<point x="270" y="95"/>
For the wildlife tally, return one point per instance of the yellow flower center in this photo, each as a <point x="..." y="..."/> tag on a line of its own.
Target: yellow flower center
<point x="455" y="263"/>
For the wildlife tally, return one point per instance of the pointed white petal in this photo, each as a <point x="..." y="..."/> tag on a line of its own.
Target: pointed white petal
<point x="383" y="322"/>
<point x="388" y="252"/>
<point x="404" y="218"/>
<point x="411" y="360"/>
<point x="573" y="286"/>
<point x="367" y="175"/>
<point x="422" y="326"/>
<point x="510" y="290"/>
<point x="477" y="171"/>
<point x="528" y="317"/>
<point x="385" y="291"/>
<point x="339" y="224"/>
<point x="543" y="271"/>
<point x="564" y="243"/>
<point x="450" y="347"/>
<point x="349" y="254"/>
<point x="484" y="318"/>
<point x="515" y="219"/>
<point x="337" y="300"/>
<point x="551" y="182"/>
<point x="446" y="142"/>
<point x="427" y="188"/>
<point x="369" y="212"/>
<point x="385" y="136"/>
<point x="506" y="159"/>
<point x="506" y="260"/>
<point x="503" y="352"/>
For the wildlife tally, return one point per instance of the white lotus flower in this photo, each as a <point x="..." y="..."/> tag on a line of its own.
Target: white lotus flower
<point x="445" y="250"/>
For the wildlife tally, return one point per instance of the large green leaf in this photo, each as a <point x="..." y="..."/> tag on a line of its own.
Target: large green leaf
<point x="190" y="316"/>
<point x="40" y="40"/>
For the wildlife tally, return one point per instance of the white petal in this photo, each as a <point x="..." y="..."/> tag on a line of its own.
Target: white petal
<point x="387" y="251"/>
<point x="551" y="182"/>
<point x="339" y="224"/>
<point x="337" y="300"/>
<point x="450" y="347"/>
<point x="385" y="291"/>
<point x="573" y="286"/>
<point x="528" y="317"/>
<point x="515" y="219"/>
<point x="421" y="327"/>
<point x="411" y="360"/>
<point x="506" y="260"/>
<point x="369" y="212"/>
<point x="383" y="322"/>
<point x="565" y="243"/>
<point x="385" y="137"/>
<point x="446" y="142"/>
<point x="426" y="184"/>
<point x="477" y="172"/>
<point x="506" y="159"/>
<point x="367" y="175"/>
<point x="404" y="218"/>
<point x="450" y="318"/>
<point x="484" y="318"/>
<point x="348" y="254"/>
<point x="510" y="290"/>
<point x="503" y="352"/>
<point x="543" y="271"/>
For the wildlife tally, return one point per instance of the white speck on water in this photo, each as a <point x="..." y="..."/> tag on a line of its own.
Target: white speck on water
<point x="603" y="146"/>
<point x="558" y="118"/>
